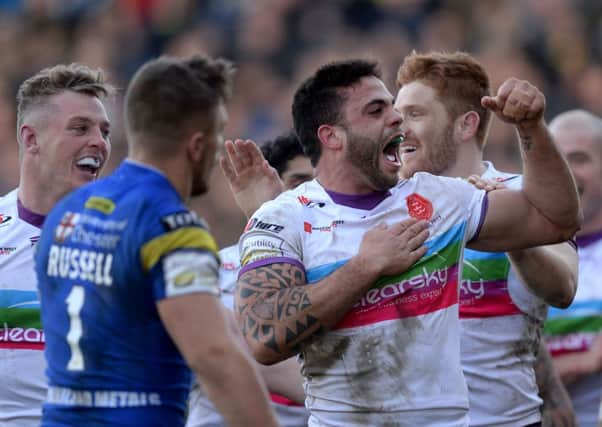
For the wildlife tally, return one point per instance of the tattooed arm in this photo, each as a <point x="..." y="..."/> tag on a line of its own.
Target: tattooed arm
<point x="278" y="313"/>
<point x="557" y="409"/>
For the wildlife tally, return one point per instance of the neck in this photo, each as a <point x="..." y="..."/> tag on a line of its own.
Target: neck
<point x="171" y="167"/>
<point x="336" y="174"/>
<point x="469" y="161"/>
<point x="34" y="193"/>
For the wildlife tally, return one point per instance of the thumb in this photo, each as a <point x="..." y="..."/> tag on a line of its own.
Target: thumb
<point x="490" y="103"/>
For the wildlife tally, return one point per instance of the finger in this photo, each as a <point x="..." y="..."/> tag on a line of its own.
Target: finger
<point x="418" y="240"/>
<point x="245" y="149"/>
<point x="401" y="226"/>
<point x="226" y="168"/>
<point x="490" y="103"/>
<point x="254" y="154"/>
<point x="417" y="228"/>
<point x="233" y="152"/>
<point x="538" y="106"/>
<point x="418" y="253"/>
<point x="505" y="90"/>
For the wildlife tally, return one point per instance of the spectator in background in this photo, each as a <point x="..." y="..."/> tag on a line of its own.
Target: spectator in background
<point x="574" y="335"/>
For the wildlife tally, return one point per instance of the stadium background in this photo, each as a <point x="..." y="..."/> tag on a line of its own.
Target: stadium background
<point x="556" y="44"/>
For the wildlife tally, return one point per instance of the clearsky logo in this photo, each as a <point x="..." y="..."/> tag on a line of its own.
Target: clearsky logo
<point x="16" y="337"/>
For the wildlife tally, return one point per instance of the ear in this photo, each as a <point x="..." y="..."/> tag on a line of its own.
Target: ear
<point x="467" y="125"/>
<point x="28" y="138"/>
<point x="331" y="137"/>
<point x="195" y="147"/>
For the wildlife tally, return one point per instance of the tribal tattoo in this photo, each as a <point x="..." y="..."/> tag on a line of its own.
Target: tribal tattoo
<point x="275" y="307"/>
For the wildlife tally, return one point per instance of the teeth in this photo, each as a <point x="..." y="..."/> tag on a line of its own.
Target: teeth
<point x="391" y="157"/>
<point x="93" y="162"/>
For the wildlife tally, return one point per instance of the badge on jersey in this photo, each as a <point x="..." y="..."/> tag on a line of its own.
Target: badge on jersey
<point x="189" y="272"/>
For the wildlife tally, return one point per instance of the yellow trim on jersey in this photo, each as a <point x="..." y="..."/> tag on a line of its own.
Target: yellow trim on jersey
<point x="182" y="238"/>
<point x="102" y="204"/>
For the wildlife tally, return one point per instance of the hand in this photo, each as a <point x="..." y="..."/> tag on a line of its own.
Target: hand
<point x="485" y="184"/>
<point x="517" y="102"/>
<point x="252" y="180"/>
<point x="390" y="250"/>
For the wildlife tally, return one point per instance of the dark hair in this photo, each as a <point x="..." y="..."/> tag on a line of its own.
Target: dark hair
<point x="279" y="151"/>
<point x="57" y="79"/>
<point x="167" y="94"/>
<point x="459" y="80"/>
<point x="319" y="100"/>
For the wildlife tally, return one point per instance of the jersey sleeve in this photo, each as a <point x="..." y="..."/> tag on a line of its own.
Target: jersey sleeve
<point x="470" y="199"/>
<point x="272" y="235"/>
<point x="182" y="259"/>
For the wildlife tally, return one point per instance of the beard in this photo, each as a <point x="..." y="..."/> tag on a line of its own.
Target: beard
<point x="364" y="154"/>
<point x="439" y="157"/>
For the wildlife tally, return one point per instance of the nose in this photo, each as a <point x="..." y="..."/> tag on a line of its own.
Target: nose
<point x="395" y="120"/>
<point x="99" y="139"/>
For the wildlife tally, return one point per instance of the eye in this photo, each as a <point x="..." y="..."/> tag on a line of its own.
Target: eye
<point x="105" y="133"/>
<point x="80" y="129"/>
<point x="376" y="111"/>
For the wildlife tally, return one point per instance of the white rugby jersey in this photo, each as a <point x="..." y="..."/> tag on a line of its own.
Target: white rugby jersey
<point x="202" y="412"/>
<point x="573" y="330"/>
<point x="22" y="360"/>
<point x="394" y="359"/>
<point x="501" y="323"/>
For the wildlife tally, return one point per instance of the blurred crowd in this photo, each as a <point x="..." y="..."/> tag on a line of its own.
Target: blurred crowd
<point x="556" y="44"/>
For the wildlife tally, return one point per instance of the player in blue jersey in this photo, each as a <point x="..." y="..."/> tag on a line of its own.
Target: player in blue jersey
<point x="128" y="275"/>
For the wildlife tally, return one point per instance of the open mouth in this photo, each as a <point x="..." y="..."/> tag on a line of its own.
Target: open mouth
<point x="391" y="150"/>
<point x="90" y="164"/>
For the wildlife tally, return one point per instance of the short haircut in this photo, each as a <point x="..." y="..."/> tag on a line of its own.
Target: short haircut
<point x="319" y="100"/>
<point x="278" y="152"/>
<point x="167" y="95"/>
<point x="78" y="78"/>
<point x="459" y="80"/>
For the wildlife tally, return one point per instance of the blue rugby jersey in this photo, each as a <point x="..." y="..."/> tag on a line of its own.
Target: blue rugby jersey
<point x="108" y="253"/>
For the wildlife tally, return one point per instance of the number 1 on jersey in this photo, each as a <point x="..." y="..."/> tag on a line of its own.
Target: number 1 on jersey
<point x="75" y="302"/>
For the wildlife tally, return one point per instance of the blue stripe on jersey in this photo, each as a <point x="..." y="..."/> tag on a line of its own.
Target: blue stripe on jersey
<point x="577" y="309"/>
<point x="13" y="298"/>
<point x="435" y="245"/>
<point x="475" y="255"/>
<point x="318" y="273"/>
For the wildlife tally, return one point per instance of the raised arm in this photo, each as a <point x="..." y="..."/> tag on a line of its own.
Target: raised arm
<point x="546" y="210"/>
<point x="252" y="180"/>
<point x="197" y="325"/>
<point x="278" y="312"/>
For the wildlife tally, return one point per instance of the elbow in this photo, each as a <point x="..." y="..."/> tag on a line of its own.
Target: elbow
<point x="562" y="301"/>
<point x="264" y="355"/>
<point x="565" y="297"/>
